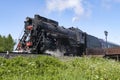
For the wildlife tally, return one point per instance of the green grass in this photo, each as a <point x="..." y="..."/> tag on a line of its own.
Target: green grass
<point x="51" y="68"/>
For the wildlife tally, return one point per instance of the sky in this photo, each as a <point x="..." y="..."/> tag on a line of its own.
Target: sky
<point x="91" y="16"/>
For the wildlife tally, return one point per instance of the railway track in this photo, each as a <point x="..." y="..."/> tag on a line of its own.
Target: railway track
<point x="15" y="54"/>
<point x="112" y="53"/>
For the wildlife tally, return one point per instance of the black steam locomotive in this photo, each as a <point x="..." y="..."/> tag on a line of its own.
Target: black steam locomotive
<point x="43" y="35"/>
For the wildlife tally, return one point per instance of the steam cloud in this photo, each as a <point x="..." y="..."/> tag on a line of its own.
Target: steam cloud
<point x="56" y="53"/>
<point x="62" y="5"/>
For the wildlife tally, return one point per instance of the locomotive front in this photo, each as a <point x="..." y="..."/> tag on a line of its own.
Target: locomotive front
<point x="38" y="35"/>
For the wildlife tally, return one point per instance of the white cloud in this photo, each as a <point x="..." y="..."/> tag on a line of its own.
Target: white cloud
<point x="62" y="5"/>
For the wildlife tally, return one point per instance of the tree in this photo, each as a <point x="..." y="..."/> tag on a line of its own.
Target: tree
<point x="6" y="43"/>
<point x="9" y="43"/>
<point x="1" y="44"/>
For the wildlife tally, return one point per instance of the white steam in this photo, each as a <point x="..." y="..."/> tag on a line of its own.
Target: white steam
<point x="56" y="53"/>
<point x="62" y="5"/>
